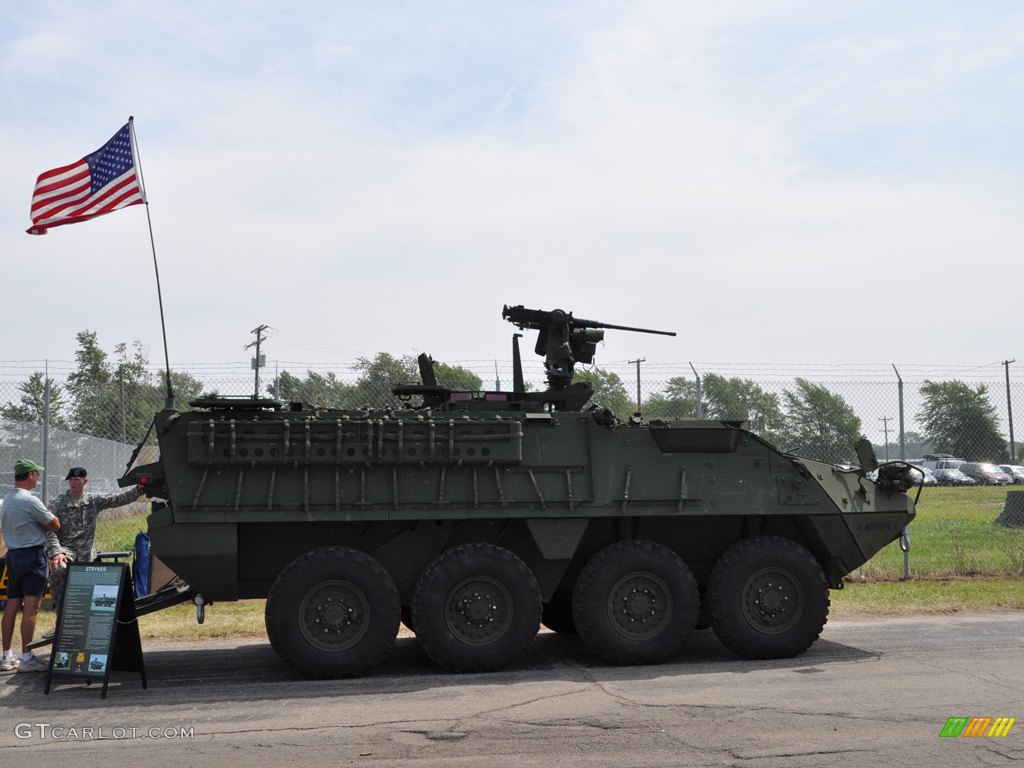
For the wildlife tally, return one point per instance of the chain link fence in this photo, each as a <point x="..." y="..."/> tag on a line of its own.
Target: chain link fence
<point x="814" y="417"/>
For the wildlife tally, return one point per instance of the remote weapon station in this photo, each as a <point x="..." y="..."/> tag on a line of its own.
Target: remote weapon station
<point x="475" y="516"/>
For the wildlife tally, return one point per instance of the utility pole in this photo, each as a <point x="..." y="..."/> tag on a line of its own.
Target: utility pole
<point x="885" y="426"/>
<point x="259" y="360"/>
<point x="641" y="360"/>
<point x="1009" y="410"/>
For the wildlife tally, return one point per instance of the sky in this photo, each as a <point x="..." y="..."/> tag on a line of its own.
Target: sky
<point x="778" y="181"/>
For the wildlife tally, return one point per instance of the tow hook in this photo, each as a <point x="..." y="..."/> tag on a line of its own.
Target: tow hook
<point x="905" y="546"/>
<point x="201" y="603"/>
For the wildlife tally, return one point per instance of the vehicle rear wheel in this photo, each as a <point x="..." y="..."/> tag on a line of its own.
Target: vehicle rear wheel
<point x="557" y="615"/>
<point x="635" y="602"/>
<point x="476" y="608"/>
<point x="768" y="598"/>
<point x="332" y="612"/>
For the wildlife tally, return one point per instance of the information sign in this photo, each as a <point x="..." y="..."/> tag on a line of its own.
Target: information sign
<point x="97" y="630"/>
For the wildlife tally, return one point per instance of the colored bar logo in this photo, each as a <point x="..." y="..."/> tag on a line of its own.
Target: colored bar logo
<point x="975" y="727"/>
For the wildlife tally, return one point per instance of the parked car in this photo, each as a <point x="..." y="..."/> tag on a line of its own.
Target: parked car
<point x="1015" y="471"/>
<point x="985" y="474"/>
<point x="923" y="476"/>
<point x="920" y="475"/>
<point x="953" y="477"/>
<point x="939" y="461"/>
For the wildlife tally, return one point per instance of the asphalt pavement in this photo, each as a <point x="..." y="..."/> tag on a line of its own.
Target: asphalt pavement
<point x="869" y="693"/>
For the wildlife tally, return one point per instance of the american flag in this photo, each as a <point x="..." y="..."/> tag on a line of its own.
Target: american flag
<point x="99" y="183"/>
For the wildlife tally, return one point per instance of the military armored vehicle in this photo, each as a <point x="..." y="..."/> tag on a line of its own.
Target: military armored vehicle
<point x="475" y="516"/>
<point x="104" y="601"/>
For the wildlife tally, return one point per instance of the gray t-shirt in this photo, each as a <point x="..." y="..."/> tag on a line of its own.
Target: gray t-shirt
<point x="22" y="518"/>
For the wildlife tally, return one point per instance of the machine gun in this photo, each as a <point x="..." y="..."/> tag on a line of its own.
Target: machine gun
<point x="563" y="341"/>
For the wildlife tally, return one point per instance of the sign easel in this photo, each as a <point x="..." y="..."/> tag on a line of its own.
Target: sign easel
<point x="97" y="630"/>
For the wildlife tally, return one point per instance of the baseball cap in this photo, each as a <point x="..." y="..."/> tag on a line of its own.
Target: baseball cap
<point x="24" y="465"/>
<point x="76" y="472"/>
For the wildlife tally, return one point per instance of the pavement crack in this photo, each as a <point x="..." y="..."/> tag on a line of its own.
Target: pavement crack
<point x="812" y="753"/>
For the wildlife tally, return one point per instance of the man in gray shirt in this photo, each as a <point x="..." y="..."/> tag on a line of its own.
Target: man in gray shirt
<point x="24" y="522"/>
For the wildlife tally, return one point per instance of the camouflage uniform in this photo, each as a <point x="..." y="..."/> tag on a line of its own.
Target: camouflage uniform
<point x="77" y="535"/>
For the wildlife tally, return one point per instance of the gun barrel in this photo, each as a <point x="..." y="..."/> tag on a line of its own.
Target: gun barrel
<point x="538" y="318"/>
<point x="580" y="323"/>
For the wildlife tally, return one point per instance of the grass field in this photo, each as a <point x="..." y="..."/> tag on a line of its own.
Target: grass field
<point x="959" y="562"/>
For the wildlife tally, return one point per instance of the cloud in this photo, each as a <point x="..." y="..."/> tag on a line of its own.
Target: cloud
<point x="767" y="180"/>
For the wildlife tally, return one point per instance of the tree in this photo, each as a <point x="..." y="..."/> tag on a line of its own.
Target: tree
<point x="961" y="421"/>
<point x="378" y="376"/>
<point x="736" y="398"/>
<point x="32" y="407"/>
<point x="915" y="444"/>
<point x="131" y="394"/>
<point x="94" y="410"/>
<point x="316" y="389"/>
<point x="679" y="400"/>
<point x="609" y="391"/>
<point x="372" y="388"/>
<point x="117" y="402"/>
<point x="457" y="378"/>
<point x="819" y="424"/>
<point x="186" y="387"/>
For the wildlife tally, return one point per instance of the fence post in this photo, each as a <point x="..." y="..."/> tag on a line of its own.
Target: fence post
<point x="1009" y="410"/>
<point x="903" y="444"/>
<point x="46" y="427"/>
<point x="905" y="537"/>
<point x="700" y="408"/>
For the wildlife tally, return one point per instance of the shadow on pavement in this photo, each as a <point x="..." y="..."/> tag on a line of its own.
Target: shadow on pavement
<point x="220" y="672"/>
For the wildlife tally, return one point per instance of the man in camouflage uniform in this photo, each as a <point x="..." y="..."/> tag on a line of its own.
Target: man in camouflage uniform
<point x="76" y="540"/>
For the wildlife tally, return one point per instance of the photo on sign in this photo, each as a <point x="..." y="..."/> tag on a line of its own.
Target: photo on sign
<point x="98" y="662"/>
<point x="62" y="660"/>
<point x="104" y="597"/>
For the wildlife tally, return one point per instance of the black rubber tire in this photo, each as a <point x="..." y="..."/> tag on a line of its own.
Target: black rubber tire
<point x="785" y="574"/>
<point x="476" y="608"/>
<point x="703" y="615"/>
<point x="339" y="586"/>
<point x="658" y="586"/>
<point x="557" y="615"/>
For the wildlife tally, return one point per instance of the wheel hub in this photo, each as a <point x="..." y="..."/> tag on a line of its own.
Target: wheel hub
<point x="773" y="601"/>
<point x="640" y="606"/>
<point x="334" y="615"/>
<point x="478" y="610"/>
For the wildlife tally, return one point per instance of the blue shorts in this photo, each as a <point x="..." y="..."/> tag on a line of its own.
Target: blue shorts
<point x="26" y="572"/>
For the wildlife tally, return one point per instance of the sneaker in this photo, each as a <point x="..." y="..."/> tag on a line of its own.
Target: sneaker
<point x="9" y="665"/>
<point x="35" y="664"/>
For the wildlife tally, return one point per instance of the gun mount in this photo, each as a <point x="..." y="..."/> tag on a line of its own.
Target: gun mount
<point x="562" y="340"/>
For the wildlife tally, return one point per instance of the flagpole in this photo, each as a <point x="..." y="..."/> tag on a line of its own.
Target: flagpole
<point x="156" y="268"/>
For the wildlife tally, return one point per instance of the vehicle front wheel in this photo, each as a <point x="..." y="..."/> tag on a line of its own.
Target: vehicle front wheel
<point x="768" y="598"/>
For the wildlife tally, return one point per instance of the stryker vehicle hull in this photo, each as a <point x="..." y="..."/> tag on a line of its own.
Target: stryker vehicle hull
<point x="473" y="518"/>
